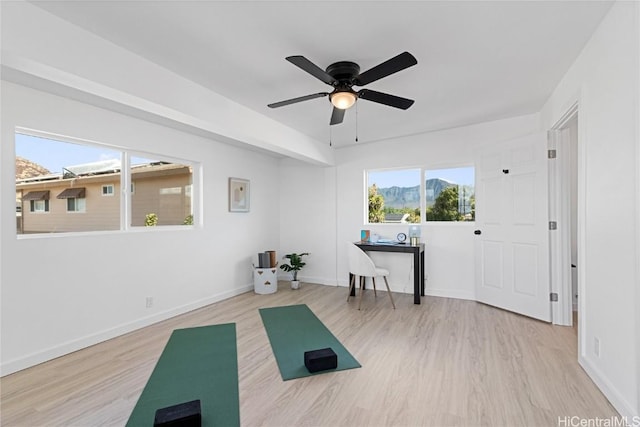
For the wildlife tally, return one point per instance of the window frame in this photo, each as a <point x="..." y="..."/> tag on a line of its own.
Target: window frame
<point x="79" y="205"/>
<point x="366" y="194"/>
<point x="447" y="166"/>
<point x="195" y="197"/>
<point x="33" y="203"/>
<point x="126" y="187"/>
<point x="108" y="194"/>
<point x="423" y="203"/>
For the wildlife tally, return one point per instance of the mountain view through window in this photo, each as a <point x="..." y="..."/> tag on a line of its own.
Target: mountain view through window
<point x="394" y="196"/>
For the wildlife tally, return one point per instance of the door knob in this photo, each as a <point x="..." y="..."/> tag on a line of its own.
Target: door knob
<point x="477" y="232"/>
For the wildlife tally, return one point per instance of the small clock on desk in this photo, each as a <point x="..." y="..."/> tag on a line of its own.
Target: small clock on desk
<point x="401" y="237"/>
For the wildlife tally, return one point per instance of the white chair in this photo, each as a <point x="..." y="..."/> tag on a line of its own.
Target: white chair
<point x="361" y="265"/>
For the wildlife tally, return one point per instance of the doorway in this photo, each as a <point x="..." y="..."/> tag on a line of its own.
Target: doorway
<point x="563" y="217"/>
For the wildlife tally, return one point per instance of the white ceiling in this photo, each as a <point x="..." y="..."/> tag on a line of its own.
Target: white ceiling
<point x="477" y="60"/>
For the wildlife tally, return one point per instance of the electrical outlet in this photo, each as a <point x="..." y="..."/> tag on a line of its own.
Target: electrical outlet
<point x="596" y="347"/>
<point x="149" y="302"/>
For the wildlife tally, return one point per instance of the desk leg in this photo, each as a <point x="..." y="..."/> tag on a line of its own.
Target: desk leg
<point x="353" y="291"/>
<point x="422" y="273"/>
<point x="416" y="276"/>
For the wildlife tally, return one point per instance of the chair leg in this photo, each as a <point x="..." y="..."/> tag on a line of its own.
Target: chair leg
<point x="389" y="292"/>
<point x="361" y="291"/>
<point x="373" y="279"/>
<point x="351" y="285"/>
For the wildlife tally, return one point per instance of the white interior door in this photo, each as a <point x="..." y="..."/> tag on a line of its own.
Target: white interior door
<point x="512" y="250"/>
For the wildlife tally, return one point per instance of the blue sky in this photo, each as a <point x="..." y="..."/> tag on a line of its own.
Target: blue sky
<point x="411" y="177"/>
<point x="54" y="155"/>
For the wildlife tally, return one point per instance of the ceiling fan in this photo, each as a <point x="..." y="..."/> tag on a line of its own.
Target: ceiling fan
<point x="343" y="76"/>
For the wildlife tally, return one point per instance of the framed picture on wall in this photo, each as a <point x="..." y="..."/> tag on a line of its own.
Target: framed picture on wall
<point x="239" y="195"/>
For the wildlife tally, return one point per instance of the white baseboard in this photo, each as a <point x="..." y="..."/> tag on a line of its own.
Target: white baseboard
<point x="36" y="358"/>
<point x="319" y="280"/>
<point x="618" y="401"/>
<point x="444" y="293"/>
<point x="450" y="293"/>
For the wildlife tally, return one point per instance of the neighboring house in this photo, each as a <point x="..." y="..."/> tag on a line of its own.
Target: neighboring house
<point x="396" y="218"/>
<point x="85" y="197"/>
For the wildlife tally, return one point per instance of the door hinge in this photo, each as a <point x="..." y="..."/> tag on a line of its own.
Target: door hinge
<point x="553" y="225"/>
<point x="552" y="154"/>
<point x="553" y="296"/>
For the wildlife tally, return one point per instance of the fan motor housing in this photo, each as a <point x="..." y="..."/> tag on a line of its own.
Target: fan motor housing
<point x="343" y="71"/>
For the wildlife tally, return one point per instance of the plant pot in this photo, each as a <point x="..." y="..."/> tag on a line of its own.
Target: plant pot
<point x="295" y="284"/>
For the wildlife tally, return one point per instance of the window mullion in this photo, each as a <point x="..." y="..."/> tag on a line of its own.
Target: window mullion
<point x="423" y="196"/>
<point x="125" y="191"/>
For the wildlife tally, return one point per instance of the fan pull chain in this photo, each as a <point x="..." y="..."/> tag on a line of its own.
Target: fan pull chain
<point x="330" y="136"/>
<point x="356" y="122"/>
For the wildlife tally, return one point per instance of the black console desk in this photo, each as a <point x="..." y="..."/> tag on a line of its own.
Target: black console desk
<point x="418" y="262"/>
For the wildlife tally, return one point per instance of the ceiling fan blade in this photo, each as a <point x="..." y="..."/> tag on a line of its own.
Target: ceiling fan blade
<point x="337" y="116"/>
<point x="298" y="99"/>
<point x="385" y="98"/>
<point x="311" y="68"/>
<point x="393" y="65"/>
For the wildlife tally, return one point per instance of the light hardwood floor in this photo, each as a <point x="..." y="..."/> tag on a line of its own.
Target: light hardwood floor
<point x="445" y="362"/>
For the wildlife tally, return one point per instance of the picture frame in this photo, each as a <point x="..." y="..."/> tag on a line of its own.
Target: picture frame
<point x="239" y="195"/>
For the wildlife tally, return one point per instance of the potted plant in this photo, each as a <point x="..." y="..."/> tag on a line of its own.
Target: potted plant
<point x="295" y="265"/>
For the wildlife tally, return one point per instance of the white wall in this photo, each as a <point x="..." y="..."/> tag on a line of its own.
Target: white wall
<point x="63" y="293"/>
<point x="604" y="81"/>
<point x="308" y="219"/>
<point x="449" y="247"/>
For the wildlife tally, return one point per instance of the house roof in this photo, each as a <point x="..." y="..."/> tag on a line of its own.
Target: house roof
<point x="94" y="168"/>
<point x="102" y="174"/>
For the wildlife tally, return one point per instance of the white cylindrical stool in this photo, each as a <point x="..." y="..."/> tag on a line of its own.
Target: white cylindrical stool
<point x="265" y="280"/>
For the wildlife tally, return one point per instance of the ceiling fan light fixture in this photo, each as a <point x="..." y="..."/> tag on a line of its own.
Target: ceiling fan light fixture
<point x="343" y="75"/>
<point x="343" y="100"/>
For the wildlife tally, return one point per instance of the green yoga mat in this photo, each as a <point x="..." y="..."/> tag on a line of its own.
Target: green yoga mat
<point x="197" y="363"/>
<point x="294" y="329"/>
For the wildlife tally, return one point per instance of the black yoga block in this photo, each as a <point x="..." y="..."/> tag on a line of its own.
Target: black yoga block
<point x="320" y="360"/>
<point x="185" y="414"/>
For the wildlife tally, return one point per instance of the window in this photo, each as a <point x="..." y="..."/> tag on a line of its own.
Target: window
<point x="39" y="206"/>
<point x="76" y="204"/>
<point x="399" y="196"/>
<point x="38" y="201"/>
<point x="450" y="194"/>
<point x="107" y="190"/>
<point x="75" y="197"/>
<point x="394" y="196"/>
<point x="77" y="174"/>
<point x="162" y="192"/>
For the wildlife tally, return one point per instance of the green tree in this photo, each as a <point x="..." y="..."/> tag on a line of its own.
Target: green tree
<point x="376" y="205"/>
<point x="414" y="215"/>
<point x="445" y="207"/>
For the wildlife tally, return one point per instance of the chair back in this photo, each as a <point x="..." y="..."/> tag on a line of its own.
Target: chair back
<point x="359" y="262"/>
